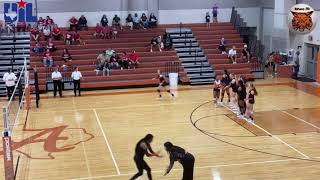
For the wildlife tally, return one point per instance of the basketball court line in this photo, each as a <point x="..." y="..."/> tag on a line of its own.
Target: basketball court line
<point x="300" y="119"/>
<point x="274" y="136"/>
<point x="107" y="142"/>
<point x="200" y="167"/>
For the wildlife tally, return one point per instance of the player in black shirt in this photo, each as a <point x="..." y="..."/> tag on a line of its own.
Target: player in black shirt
<point x="225" y="83"/>
<point x="242" y="94"/>
<point x="251" y="100"/>
<point x="162" y="84"/>
<point x="186" y="159"/>
<point x="234" y="90"/>
<point x="143" y="148"/>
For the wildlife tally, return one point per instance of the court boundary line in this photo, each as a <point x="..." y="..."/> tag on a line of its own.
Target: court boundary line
<point x="300" y="119"/>
<point x="200" y="167"/>
<point x="275" y="137"/>
<point x="107" y="143"/>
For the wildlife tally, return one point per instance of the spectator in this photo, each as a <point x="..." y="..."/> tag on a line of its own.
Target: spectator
<point x="99" y="32"/>
<point x="134" y="59"/>
<point x="82" y="23"/>
<point x="76" y="76"/>
<point x="208" y="19"/>
<point x="129" y="21"/>
<point x="77" y="38"/>
<point x="101" y="60"/>
<point x="113" y="63"/>
<point x="114" y="32"/>
<point x="136" y="21"/>
<point x="10" y="80"/>
<point x="51" y="47"/>
<point x="66" y="57"/>
<point x="107" y="32"/>
<point x="38" y="49"/>
<point x="144" y="21"/>
<point x="153" y="21"/>
<point x="73" y="23"/>
<point x="246" y="55"/>
<point x="155" y="41"/>
<point x="21" y="26"/>
<point x="68" y="38"/>
<point x="1" y="26"/>
<point x="56" y="33"/>
<point x="233" y="55"/>
<point x="116" y="21"/>
<point x="57" y="82"/>
<point x="167" y="41"/>
<point x="215" y="13"/>
<point x="35" y="34"/>
<point x="10" y="27"/>
<point x="49" y="23"/>
<point x="41" y="24"/>
<point x="222" y="46"/>
<point x="46" y="33"/>
<point x="124" y="61"/>
<point x="47" y="59"/>
<point x="104" y="21"/>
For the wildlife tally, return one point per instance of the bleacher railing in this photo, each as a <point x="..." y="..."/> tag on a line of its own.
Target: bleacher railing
<point x="172" y="67"/>
<point x="65" y="72"/>
<point x="250" y="38"/>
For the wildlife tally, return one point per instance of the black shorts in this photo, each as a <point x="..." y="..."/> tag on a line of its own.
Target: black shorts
<point x="162" y="84"/>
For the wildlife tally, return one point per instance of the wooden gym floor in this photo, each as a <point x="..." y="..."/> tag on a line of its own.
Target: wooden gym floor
<point x="93" y="136"/>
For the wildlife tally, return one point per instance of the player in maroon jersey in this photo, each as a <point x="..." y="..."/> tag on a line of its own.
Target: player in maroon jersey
<point x="162" y="84"/>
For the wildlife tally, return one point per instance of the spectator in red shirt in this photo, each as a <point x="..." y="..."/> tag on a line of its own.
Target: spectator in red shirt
<point x="82" y="23"/>
<point x="68" y="38"/>
<point x="40" y="24"/>
<point x="56" y="32"/>
<point x="21" y="26"/>
<point x="134" y="59"/>
<point x="77" y="38"/>
<point x="47" y="59"/>
<point x="99" y="31"/>
<point x="49" y="23"/>
<point x="35" y="34"/>
<point x="73" y="23"/>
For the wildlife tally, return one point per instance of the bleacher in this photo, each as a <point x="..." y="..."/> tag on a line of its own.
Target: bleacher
<point x="14" y="49"/>
<point x="84" y="57"/>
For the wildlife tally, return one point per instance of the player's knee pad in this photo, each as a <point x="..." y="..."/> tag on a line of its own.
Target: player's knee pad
<point x="168" y="91"/>
<point x="158" y="90"/>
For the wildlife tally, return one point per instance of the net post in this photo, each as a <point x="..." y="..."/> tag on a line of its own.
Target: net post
<point x="7" y="147"/>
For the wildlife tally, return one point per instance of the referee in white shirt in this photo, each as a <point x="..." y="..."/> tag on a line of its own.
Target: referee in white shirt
<point x="10" y="79"/>
<point x="76" y="76"/>
<point x="57" y="82"/>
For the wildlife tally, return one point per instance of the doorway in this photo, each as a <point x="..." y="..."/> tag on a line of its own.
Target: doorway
<point x="312" y="55"/>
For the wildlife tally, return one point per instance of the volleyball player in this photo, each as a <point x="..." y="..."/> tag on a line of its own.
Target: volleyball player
<point x="250" y="102"/>
<point x="143" y="148"/>
<point x="225" y="85"/>
<point x="241" y="97"/>
<point x="162" y="84"/>
<point x="186" y="159"/>
<point x="216" y="91"/>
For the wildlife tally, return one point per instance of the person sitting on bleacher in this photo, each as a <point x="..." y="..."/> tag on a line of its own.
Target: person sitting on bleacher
<point x="56" y="33"/>
<point x="144" y="21"/>
<point x="155" y="41"/>
<point x="46" y="33"/>
<point x="35" y="34"/>
<point x="51" y="46"/>
<point x="99" y="31"/>
<point x="66" y="57"/>
<point x="82" y="23"/>
<point x="113" y="63"/>
<point x="233" y="55"/>
<point x="101" y="60"/>
<point x="10" y="27"/>
<point x="153" y="21"/>
<point x="40" y="24"/>
<point x="167" y="41"/>
<point x="104" y="21"/>
<point x="134" y="59"/>
<point x="107" y="32"/>
<point x="49" y="23"/>
<point x="21" y="26"/>
<point x="129" y="21"/>
<point x="38" y="50"/>
<point x="116" y="21"/>
<point x="73" y="23"/>
<point x="245" y="54"/>
<point x="68" y="38"/>
<point x="222" y="46"/>
<point x="136" y="21"/>
<point x="47" y="59"/>
<point x="124" y="61"/>
<point x="77" y="38"/>
<point x="114" y="32"/>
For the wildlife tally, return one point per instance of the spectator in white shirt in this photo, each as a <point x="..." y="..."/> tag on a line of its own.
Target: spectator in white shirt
<point x="10" y="79"/>
<point x="46" y="33"/>
<point x="233" y="55"/>
<point x="76" y="76"/>
<point x="57" y="82"/>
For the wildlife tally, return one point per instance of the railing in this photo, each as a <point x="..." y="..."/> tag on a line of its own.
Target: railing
<point x="172" y="67"/>
<point x="65" y="72"/>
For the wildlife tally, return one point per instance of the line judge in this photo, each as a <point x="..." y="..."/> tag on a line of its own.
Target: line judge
<point x="57" y="82"/>
<point x="76" y="76"/>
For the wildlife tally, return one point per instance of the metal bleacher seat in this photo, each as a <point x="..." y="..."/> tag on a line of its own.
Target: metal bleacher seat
<point x="14" y="49"/>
